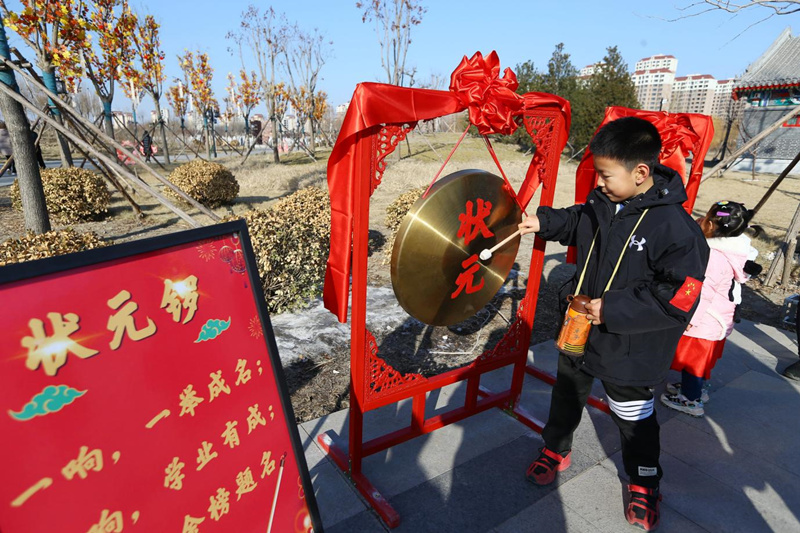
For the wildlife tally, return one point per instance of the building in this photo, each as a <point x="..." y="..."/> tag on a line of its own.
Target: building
<point x="723" y="105"/>
<point x="123" y="117"/>
<point x="668" y="62"/>
<point x="164" y="115"/>
<point x="770" y="87"/>
<point x="653" y="78"/>
<point x="654" y="87"/>
<point x="341" y="109"/>
<point x="586" y="72"/>
<point x="693" y="94"/>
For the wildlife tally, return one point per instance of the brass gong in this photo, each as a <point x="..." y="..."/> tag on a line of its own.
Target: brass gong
<point x="437" y="274"/>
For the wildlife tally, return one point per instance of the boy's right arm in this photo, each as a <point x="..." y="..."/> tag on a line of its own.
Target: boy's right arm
<point x="554" y="224"/>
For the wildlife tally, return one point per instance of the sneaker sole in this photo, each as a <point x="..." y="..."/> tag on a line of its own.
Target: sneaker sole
<point x="675" y="390"/>
<point x="682" y="409"/>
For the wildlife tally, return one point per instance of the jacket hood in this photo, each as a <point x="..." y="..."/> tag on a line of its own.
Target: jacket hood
<point x="735" y="250"/>
<point x="667" y="189"/>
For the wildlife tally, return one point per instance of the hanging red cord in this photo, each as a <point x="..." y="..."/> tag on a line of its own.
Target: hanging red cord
<point x="446" y="160"/>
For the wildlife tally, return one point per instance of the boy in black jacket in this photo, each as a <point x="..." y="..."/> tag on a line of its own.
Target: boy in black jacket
<point x="633" y="235"/>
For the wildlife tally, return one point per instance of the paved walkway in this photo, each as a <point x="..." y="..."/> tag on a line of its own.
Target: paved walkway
<point x="737" y="469"/>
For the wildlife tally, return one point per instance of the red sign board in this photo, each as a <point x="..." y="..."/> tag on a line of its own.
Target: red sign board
<point x="141" y="391"/>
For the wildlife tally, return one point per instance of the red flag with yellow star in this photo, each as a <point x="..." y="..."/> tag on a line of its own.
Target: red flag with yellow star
<point x="685" y="297"/>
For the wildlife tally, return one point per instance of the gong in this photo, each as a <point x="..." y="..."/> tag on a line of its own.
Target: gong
<point x="437" y="275"/>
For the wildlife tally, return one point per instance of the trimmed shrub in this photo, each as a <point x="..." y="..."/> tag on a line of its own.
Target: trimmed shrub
<point x="291" y="241"/>
<point x="72" y="195"/>
<point x="48" y="244"/>
<point x="395" y="213"/>
<point x="211" y="184"/>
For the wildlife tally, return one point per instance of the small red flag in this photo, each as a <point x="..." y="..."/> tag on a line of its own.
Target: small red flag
<point x="685" y="297"/>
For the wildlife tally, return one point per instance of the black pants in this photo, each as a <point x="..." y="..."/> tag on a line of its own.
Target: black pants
<point x="632" y="410"/>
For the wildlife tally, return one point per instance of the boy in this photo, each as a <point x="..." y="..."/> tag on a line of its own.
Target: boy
<point x="633" y="220"/>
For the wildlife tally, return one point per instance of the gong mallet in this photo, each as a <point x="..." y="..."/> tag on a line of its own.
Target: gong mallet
<point x="486" y="253"/>
<point x="277" y="489"/>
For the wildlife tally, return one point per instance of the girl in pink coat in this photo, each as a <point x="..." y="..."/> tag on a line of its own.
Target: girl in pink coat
<point x="704" y="339"/>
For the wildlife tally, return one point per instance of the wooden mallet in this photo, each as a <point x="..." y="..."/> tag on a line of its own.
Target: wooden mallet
<point x="486" y="254"/>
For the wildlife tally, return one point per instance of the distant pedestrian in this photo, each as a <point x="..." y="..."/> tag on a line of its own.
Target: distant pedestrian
<point x="704" y="339"/>
<point x="793" y="371"/>
<point x="147" y="146"/>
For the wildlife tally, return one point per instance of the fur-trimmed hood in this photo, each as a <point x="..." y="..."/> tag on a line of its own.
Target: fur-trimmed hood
<point x="736" y="251"/>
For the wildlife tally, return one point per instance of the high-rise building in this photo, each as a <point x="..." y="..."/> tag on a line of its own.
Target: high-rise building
<point x="658" y="89"/>
<point x="658" y="61"/>
<point x="693" y="94"/>
<point x="723" y="104"/>
<point x="653" y="79"/>
<point x="586" y="72"/>
<point x="654" y="88"/>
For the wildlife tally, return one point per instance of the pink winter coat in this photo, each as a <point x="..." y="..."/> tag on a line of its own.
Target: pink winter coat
<point x="713" y="319"/>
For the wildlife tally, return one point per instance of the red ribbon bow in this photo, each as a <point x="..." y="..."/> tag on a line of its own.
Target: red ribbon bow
<point x="491" y="100"/>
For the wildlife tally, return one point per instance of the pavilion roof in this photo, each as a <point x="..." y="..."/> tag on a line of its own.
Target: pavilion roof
<point x="778" y="66"/>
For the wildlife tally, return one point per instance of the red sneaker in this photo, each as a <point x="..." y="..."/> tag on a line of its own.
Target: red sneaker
<point x="643" y="507"/>
<point x="543" y="470"/>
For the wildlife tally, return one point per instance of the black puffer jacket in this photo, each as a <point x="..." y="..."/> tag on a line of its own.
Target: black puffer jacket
<point x="647" y="307"/>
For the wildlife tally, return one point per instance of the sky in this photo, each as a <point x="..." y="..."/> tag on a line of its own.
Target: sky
<point x="712" y="43"/>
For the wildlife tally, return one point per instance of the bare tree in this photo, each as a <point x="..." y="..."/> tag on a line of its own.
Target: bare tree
<point x="393" y="22"/>
<point x="264" y="34"/>
<point x="87" y="103"/>
<point x="771" y="8"/>
<point x="304" y="57"/>
<point x="786" y="7"/>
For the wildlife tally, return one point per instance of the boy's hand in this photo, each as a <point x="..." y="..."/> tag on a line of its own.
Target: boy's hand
<point x="595" y="308"/>
<point x="529" y="225"/>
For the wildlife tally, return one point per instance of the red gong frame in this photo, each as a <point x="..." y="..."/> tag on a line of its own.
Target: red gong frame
<point x="373" y="382"/>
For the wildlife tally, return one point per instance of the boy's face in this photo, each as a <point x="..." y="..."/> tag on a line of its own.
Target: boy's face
<point x="616" y="181"/>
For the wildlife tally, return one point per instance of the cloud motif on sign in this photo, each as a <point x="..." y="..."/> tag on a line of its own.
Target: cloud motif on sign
<point x="213" y="329"/>
<point x="52" y="398"/>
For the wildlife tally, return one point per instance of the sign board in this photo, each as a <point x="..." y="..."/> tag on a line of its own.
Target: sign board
<point x="141" y="391"/>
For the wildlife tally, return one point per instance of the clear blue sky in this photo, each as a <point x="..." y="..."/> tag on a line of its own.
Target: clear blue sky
<point x="518" y="31"/>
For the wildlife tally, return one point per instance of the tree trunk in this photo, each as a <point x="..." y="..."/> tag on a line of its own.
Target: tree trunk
<point x="163" y="131"/>
<point x="213" y="134"/>
<point x="108" y="119"/>
<point x="275" y="139"/>
<point x="49" y="78"/>
<point x="208" y="137"/>
<point x="312" y="144"/>
<point x="34" y="208"/>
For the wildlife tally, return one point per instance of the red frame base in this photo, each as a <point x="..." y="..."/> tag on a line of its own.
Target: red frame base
<point x="328" y="442"/>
